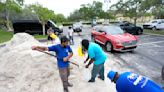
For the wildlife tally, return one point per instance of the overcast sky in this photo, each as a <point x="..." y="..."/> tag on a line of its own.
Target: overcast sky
<point x="66" y="6"/>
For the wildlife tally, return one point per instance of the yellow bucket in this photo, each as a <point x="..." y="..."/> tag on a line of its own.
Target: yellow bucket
<point x="79" y="50"/>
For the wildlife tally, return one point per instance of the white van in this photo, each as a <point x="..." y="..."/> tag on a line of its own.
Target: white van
<point x="154" y="24"/>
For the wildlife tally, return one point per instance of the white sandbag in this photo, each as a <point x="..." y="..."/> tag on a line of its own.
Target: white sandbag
<point x="86" y="74"/>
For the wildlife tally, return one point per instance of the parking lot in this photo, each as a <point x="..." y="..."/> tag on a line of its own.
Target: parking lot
<point x="146" y="59"/>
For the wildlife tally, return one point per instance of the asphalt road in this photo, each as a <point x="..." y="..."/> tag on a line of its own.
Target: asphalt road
<point x="147" y="59"/>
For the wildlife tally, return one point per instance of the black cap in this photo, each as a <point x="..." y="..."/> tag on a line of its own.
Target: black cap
<point x="85" y="43"/>
<point x="64" y="39"/>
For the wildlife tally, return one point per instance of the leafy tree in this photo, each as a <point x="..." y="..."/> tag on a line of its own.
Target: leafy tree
<point x="7" y="8"/>
<point x="59" y="18"/>
<point x="90" y="11"/>
<point x="44" y="14"/>
<point x="75" y="16"/>
<point x="129" y="8"/>
<point x="137" y="8"/>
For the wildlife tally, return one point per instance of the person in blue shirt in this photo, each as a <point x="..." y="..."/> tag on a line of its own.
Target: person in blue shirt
<point x="131" y="82"/>
<point x="97" y="57"/>
<point x="63" y="54"/>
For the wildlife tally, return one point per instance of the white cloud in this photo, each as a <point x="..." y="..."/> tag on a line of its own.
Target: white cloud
<point x="63" y="6"/>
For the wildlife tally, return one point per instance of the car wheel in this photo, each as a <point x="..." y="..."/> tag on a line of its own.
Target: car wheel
<point x="154" y="28"/>
<point x="162" y="73"/>
<point x="109" y="47"/>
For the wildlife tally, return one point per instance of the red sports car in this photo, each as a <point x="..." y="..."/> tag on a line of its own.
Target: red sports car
<point x="114" y="38"/>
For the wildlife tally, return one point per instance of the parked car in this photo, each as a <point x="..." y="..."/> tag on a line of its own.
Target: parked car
<point x="114" y="38"/>
<point x="130" y="28"/>
<point x="33" y="26"/>
<point x="77" y="27"/>
<point x="154" y="24"/>
<point x="56" y="29"/>
<point x="61" y="27"/>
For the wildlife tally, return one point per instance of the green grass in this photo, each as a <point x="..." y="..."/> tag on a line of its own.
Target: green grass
<point x="160" y="32"/>
<point x="40" y="36"/>
<point x="5" y="36"/>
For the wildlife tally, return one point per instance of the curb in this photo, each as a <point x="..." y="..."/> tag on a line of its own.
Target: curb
<point x="153" y="34"/>
<point x="3" y="44"/>
<point x="42" y="40"/>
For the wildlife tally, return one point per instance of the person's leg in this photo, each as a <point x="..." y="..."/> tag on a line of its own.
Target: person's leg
<point x="64" y="78"/>
<point x="72" y="40"/>
<point x="48" y="39"/>
<point x="95" y="71"/>
<point x="101" y="73"/>
<point x="68" y="74"/>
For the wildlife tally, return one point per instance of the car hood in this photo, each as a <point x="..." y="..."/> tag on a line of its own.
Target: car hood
<point x="124" y="37"/>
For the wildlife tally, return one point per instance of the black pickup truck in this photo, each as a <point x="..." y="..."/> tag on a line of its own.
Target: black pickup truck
<point x="34" y="27"/>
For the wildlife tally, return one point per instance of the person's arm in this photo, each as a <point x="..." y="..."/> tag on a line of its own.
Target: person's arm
<point x="91" y="55"/>
<point x="90" y="62"/>
<point x="39" y="48"/>
<point x="86" y="59"/>
<point x="69" y="56"/>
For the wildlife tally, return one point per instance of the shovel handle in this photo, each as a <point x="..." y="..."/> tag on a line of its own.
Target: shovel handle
<point x="56" y="56"/>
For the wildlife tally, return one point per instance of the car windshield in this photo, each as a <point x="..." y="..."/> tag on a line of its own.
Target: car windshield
<point x="113" y="30"/>
<point x="154" y="22"/>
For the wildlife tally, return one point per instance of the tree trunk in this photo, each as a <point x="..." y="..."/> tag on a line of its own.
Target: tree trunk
<point x="43" y="28"/>
<point x="135" y="20"/>
<point x="8" y="21"/>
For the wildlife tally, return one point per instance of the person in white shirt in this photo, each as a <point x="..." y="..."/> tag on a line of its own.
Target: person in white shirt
<point x="70" y="35"/>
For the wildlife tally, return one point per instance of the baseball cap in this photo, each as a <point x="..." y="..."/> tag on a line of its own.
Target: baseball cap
<point x="111" y="75"/>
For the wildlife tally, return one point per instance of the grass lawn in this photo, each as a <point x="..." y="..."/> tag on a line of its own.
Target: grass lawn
<point x="160" y="32"/>
<point x="6" y="36"/>
<point x="40" y="36"/>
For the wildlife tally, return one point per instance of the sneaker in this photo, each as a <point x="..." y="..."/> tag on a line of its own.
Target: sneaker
<point x="91" y="80"/>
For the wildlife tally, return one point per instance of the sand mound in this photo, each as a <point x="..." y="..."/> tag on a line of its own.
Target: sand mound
<point x="21" y="71"/>
<point x="24" y="70"/>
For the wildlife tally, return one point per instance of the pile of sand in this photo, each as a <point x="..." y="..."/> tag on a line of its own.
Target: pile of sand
<point x="24" y="70"/>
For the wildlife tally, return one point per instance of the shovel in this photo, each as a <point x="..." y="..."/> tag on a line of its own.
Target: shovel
<point x="56" y="56"/>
